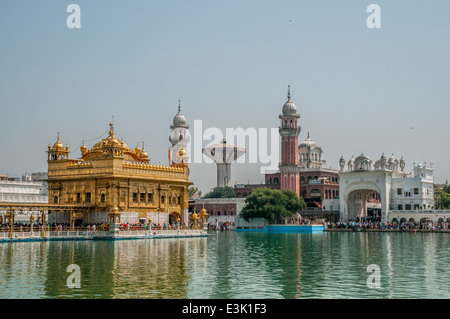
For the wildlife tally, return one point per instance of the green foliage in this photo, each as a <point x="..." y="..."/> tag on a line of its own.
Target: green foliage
<point x="447" y="189"/>
<point x="220" y="192"/>
<point x="192" y="190"/>
<point x="271" y="204"/>
<point x="442" y="198"/>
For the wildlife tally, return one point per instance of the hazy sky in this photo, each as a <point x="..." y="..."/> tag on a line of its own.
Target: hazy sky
<point x="230" y="62"/>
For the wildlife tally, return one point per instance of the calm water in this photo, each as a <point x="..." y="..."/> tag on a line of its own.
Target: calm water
<point x="232" y="265"/>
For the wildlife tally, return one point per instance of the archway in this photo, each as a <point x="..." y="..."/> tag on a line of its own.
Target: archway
<point x="364" y="204"/>
<point x="173" y="216"/>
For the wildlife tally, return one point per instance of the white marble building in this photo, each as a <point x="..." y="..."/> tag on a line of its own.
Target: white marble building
<point x="30" y="189"/>
<point x="397" y="189"/>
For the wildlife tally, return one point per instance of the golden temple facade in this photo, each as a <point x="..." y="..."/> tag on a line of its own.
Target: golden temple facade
<point x="112" y="175"/>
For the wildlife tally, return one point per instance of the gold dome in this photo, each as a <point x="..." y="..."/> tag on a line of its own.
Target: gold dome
<point x="203" y="213"/>
<point x="137" y="150"/>
<point x="58" y="146"/>
<point x="182" y="152"/>
<point x="110" y="141"/>
<point x="144" y="153"/>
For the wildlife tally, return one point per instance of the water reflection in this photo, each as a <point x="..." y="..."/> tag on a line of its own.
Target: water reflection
<point x="232" y="265"/>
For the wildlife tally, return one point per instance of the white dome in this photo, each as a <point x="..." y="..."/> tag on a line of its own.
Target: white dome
<point x="179" y="120"/>
<point x="362" y="158"/>
<point x="289" y="108"/>
<point x="308" y="144"/>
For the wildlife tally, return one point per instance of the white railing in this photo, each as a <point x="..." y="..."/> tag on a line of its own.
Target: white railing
<point x="89" y="234"/>
<point x="428" y="211"/>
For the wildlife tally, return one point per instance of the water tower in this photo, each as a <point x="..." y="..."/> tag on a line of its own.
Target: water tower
<point x="223" y="155"/>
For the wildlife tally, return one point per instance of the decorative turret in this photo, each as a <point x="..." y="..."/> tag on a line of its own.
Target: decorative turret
<point x="351" y="164"/>
<point x="58" y="151"/>
<point x="402" y="164"/>
<point x="143" y="154"/>
<point x="83" y="149"/>
<point x="342" y="163"/>
<point x="179" y="138"/>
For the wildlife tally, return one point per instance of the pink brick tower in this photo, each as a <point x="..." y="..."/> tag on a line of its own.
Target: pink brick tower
<point x="289" y="131"/>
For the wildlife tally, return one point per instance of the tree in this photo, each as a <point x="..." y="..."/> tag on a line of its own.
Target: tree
<point x="220" y="192"/>
<point x="441" y="198"/>
<point x="446" y="189"/>
<point x="194" y="190"/>
<point x="271" y="204"/>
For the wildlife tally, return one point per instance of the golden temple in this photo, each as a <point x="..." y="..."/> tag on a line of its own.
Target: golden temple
<point x="112" y="175"/>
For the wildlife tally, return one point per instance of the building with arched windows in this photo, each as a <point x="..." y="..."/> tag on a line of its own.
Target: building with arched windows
<point x="111" y="175"/>
<point x="385" y="182"/>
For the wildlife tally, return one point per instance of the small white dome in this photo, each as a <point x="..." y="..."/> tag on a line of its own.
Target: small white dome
<point x="362" y="158"/>
<point x="308" y="144"/>
<point x="289" y="108"/>
<point x="179" y="120"/>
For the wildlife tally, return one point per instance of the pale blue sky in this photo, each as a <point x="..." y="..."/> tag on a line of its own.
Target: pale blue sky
<point x="356" y="89"/>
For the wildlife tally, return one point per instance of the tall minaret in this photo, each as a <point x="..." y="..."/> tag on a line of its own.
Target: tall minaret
<point x="178" y="138"/>
<point x="289" y="131"/>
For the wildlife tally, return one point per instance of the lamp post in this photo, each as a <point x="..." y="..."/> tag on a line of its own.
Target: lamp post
<point x="10" y="216"/>
<point x="157" y="227"/>
<point x="43" y="223"/>
<point x="31" y="224"/>
<point x="150" y="225"/>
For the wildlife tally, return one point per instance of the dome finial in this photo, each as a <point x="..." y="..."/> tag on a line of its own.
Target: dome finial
<point x="289" y="92"/>
<point x="58" y="138"/>
<point x="308" y="134"/>
<point x="179" y="106"/>
<point x="111" y="129"/>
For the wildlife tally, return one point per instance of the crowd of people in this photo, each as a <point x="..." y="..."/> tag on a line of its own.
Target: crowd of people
<point x="221" y="226"/>
<point x="362" y="225"/>
<point x="26" y="227"/>
<point x="358" y="225"/>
